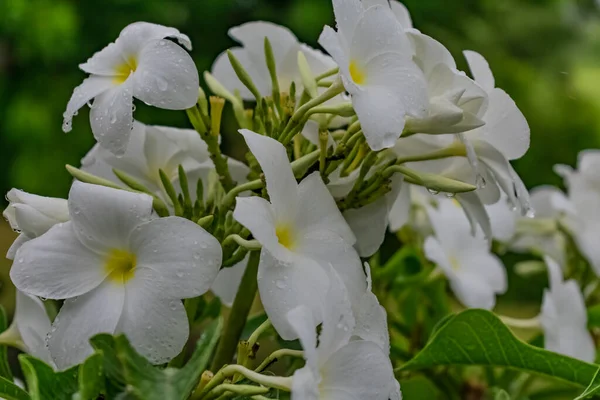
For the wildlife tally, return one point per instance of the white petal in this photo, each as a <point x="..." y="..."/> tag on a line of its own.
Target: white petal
<point x="16" y="245"/>
<point x="476" y="213"/>
<point x="187" y="140"/>
<point x="448" y="220"/>
<point x="311" y="133"/>
<point x="81" y="318"/>
<point x="359" y="370"/>
<point x="181" y="257"/>
<point x="480" y="69"/>
<point x="401" y="13"/>
<point x="435" y="253"/>
<point x="400" y="210"/>
<point x="105" y="61"/>
<point x="103" y="217"/>
<point x="506" y="128"/>
<point x="88" y="90"/>
<point x="332" y="43"/>
<point x="281" y="184"/>
<point x="33" y="324"/>
<point x="284" y="287"/>
<point x="503" y="220"/>
<point x="347" y="14"/>
<point x="430" y="53"/>
<point x="111" y="118"/>
<point x="317" y="210"/>
<point x="135" y="36"/>
<point x="304" y="325"/>
<point x="30" y="221"/>
<point x="157" y="328"/>
<point x="479" y="262"/>
<point x="225" y="74"/>
<point x="371" y="322"/>
<point x="328" y="248"/>
<point x="555" y="274"/>
<point x="473" y="292"/>
<point x="257" y="215"/>
<point x="252" y="35"/>
<point x="49" y="206"/>
<point x="227" y="283"/>
<point x="305" y="385"/>
<point x="57" y="266"/>
<point x="378" y="32"/>
<point x="166" y="76"/>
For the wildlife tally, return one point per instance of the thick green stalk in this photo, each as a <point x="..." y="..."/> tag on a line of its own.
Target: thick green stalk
<point x="238" y="315"/>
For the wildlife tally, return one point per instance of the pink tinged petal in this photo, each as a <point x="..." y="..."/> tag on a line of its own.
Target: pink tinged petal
<point x="111" y="118"/>
<point x="33" y="324"/>
<point x="106" y="61"/>
<point x="135" y="36"/>
<point x="284" y="287"/>
<point x="180" y="257"/>
<point x="166" y="76"/>
<point x="57" y="266"/>
<point x="227" y="283"/>
<point x="81" y="318"/>
<point x="281" y="183"/>
<point x="84" y="93"/>
<point x="480" y="69"/>
<point x="157" y="328"/>
<point x="506" y="128"/>
<point x="359" y="370"/>
<point x="317" y="210"/>
<point x="103" y="218"/>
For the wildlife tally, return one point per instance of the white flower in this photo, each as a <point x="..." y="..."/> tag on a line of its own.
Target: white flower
<point x="252" y="56"/>
<point x="400" y="11"/>
<point x="564" y="317"/>
<point x="29" y="326"/>
<point x="301" y="231"/>
<point x="159" y="147"/>
<point x="120" y="271"/>
<point x="141" y="63"/>
<point x="375" y="60"/>
<point x="541" y="235"/>
<point x="32" y="216"/>
<point x="339" y="368"/>
<point x="228" y="281"/>
<point x="475" y="274"/>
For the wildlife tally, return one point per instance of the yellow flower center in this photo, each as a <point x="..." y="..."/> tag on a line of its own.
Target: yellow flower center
<point x="120" y="265"/>
<point x="285" y="235"/>
<point x="454" y="264"/>
<point x="358" y="74"/>
<point x="123" y="70"/>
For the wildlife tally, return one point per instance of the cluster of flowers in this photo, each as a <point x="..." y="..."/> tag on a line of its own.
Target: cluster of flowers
<point x="384" y="133"/>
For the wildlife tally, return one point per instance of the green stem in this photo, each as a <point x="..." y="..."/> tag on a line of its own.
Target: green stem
<point x="454" y="150"/>
<point x="278" y="355"/>
<point x="233" y="192"/>
<point x="238" y="315"/>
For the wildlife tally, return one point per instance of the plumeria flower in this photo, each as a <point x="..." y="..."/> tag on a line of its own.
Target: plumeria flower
<point x="339" y="368"/>
<point x="143" y="64"/>
<point x="32" y="216"/>
<point x="541" y="235"/>
<point x="252" y="56"/>
<point x="564" y="317"/>
<point x="582" y="204"/>
<point x="301" y="231"/>
<point x="376" y="67"/>
<point x="120" y="270"/>
<point x="400" y="11"/>
<point x="475" y="274"/>
<point x="29" y="327"/>
<point x="158" y="147"/>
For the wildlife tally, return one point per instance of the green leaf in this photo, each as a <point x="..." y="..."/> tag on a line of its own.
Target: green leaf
<point x="593" y="314"/>
<point x="91" y="377"/>
<point x="478" y="337"/>
<point x="5" y="371"/>
<point x="113" y="370"/>
<point x="592" y="388"/>
<point x="10" y="391"/>
<point x="144" y="381"/>
<point x="44" y="383"/>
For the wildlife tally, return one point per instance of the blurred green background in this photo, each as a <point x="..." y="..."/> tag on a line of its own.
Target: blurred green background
<point x="544" y="53"/>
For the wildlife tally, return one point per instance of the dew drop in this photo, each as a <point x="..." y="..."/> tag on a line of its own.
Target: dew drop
<point x="433" y="191"/>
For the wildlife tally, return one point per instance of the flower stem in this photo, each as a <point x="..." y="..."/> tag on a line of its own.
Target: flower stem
<point x="238" y="315"/>
<point x="530" y="323"/>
